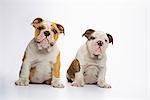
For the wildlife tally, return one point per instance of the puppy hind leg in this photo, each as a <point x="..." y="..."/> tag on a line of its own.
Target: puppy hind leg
<point x="48" y="82"/>
<point x="74" y="68"/>
<point x="79" y="79"/>
<point x="69" y="79"/>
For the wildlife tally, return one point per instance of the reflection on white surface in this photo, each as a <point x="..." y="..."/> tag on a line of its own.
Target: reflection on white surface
<point x="126" y="64"/>
<point x="9" y="91"/>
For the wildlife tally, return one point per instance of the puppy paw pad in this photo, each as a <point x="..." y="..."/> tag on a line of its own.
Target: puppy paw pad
<point x="105" y="85"/>
<point x="22" y="82"/>
<point x="77" y="84"/>
<point x="58" y="85"/>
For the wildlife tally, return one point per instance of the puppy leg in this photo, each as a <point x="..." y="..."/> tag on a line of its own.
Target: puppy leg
<point x="73" y="68"/>
<point x="56" y="74"/>
<point x="101" y="78"/>
<point x="79" y="79"/>
<point x="24" y="74"/>
<point x="75" y="74"/>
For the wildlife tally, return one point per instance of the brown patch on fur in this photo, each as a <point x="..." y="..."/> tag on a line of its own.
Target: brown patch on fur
<point x="24" y="56"/>
<point x="74" y="68"/>
<point x="37" y="22"/>
<point x="56" y="70"/>
<point x="20" y="70"/>
<point x="59" y="28"/>
<point x="88" y="33"/>
<point x="32" y="72"/>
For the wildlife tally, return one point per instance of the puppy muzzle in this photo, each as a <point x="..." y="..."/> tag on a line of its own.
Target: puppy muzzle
<point x="46" y="38"/>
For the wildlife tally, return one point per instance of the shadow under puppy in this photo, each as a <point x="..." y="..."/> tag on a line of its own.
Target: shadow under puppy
<point x="89" y="65"/>
<point x="41" y="61"/>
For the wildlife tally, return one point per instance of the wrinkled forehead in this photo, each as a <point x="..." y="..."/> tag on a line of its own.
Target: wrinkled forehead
<point x="47" y="24"/>
<point x="99" y="34"/>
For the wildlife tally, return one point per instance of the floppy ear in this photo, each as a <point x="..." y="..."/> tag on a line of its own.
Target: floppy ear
<point x="60" y="28"/>
<point x="36" y="22"/>
<point x="88" y="33"/>
<point x="110" y="38"/>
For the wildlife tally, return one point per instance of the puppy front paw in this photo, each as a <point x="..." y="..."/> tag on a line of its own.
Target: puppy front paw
<point x="22" y="82"/>
<point x="104" y="85"/>
<point x="78" y="84"/>
<point x="58" y="85"/>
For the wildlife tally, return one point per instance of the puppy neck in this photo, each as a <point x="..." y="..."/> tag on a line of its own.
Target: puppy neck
<point x="41" y="48"/>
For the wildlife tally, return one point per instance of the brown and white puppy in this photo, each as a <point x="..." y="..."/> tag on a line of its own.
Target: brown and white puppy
<point x="41" y="61"/>
<point x="89" y="65"/>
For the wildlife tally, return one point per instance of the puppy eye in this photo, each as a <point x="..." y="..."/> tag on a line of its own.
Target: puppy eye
<point x="105" y="40"/>
<point x="92" y="38"/>
<point x="54" y="31"/>
<point x="40" y="28"/>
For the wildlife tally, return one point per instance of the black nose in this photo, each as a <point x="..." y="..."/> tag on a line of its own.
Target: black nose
<point x="46" y="33"/>
<point x="100" y="43"/>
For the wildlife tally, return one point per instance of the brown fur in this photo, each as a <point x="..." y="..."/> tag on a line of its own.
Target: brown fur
<point x="37" y="22"/>
<point x="20" y="71"/>
<point x="88" y="33"/>
<point x="74" y="68"/>
<point x="32" y="71"/>
<point x="24" y="57"/>
<point x="56" y="70"/>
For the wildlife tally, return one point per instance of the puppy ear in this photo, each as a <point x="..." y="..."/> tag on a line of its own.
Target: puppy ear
<point x="60" y="28"/>
<point x="110" y="38"/>
<point x="36" y="22"/>
<point x="88" y="33"/>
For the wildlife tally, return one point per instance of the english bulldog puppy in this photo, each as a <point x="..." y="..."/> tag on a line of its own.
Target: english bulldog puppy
<point x="41" y="61"/>
<point x="89" y="65"/>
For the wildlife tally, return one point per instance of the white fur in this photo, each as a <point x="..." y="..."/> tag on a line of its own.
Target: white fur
<point x="79" y="79"/>
<point x="92" y="66"/>
<point x="43" y="59"/>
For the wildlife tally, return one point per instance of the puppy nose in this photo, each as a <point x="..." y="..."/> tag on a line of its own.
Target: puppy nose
<point x="46" y="33"/>
<point x="100" y="43"/>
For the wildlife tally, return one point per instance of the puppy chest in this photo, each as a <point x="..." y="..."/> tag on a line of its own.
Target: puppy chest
<point x="45" y="59"/>
<point x="91" y="74"/>
<point x="41" y="72"/>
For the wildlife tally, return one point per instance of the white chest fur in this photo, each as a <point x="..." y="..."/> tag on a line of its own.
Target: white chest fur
<point x="90" y="67"/>
<point x="42" y="61"/>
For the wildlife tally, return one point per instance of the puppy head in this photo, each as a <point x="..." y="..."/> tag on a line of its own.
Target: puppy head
<point x="97" y="42"/>
<point x="46" y="33"/>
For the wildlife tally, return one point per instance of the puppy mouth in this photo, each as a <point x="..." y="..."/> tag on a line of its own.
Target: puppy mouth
<point x="45" y="41"/>
<point x="98" y="49"/>
<point x="96" y="55"/>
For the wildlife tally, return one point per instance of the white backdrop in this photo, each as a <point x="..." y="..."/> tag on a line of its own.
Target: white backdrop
<point x="127" y="66"/>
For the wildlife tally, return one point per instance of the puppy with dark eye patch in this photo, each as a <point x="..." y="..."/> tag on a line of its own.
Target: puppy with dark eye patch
<point x="41" y="61"/>
<point x="89" y="65"/>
